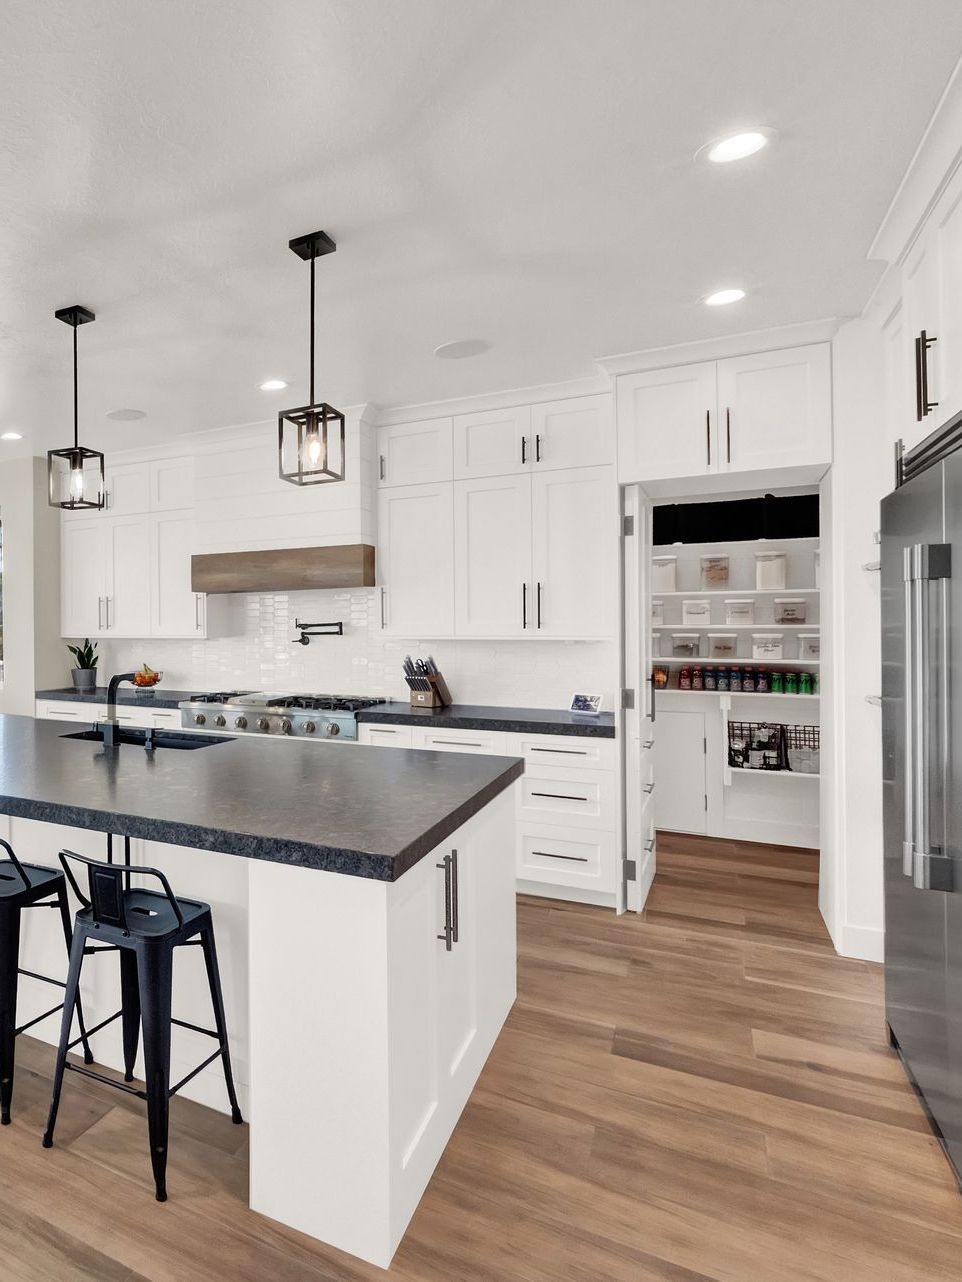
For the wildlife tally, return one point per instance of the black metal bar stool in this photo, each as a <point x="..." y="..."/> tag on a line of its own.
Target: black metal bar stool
<point x="26" y="886"/>
<point x="146" y="926"/>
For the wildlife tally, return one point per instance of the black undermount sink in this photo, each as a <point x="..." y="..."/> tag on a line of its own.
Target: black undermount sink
<point x="150" y="739"/>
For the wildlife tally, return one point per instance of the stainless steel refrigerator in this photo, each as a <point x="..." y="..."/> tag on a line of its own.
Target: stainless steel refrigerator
<point x="922" y="778"/>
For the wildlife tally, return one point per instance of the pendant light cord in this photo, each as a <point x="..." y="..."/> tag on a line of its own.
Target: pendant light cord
<point x="76" y="439"/>
<point x="313" y="261"/>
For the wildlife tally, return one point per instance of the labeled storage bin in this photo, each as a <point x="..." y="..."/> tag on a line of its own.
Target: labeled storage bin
<point x="722" y="645"/>
<point x="657" y="613"/>
<point x="809" y="645"/>
<point x="663" y="573"/>
<point x="739" y="611"/>
<point x="714" y="572"/>
<point x="770" y="571"/>
<point x="684" y="645"/>
<point x="696" y="614"/>
<point x="767" y="646"/>
<point x="790" y="609"/>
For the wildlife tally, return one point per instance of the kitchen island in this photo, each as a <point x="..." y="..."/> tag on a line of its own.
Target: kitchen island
<point x="364" y="905"/>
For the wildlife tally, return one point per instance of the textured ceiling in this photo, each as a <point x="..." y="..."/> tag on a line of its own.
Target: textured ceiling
<point x="519" y="172"/>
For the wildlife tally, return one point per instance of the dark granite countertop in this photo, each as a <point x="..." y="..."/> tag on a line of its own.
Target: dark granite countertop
<point x="470" y="716"/>
<point x="339" y="807"/>
<point x="160" y="697"/>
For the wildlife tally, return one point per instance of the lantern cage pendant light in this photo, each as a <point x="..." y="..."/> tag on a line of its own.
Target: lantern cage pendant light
<point x="310" y="439"/>
<point x="75" y="475"/>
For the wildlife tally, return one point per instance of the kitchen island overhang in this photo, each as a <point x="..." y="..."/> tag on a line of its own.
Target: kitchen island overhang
<point x="373" y="943"/>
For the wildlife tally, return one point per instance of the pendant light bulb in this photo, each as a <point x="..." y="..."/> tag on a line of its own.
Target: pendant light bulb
<point x="77" y="481"/>
<point x="313" y="448"/>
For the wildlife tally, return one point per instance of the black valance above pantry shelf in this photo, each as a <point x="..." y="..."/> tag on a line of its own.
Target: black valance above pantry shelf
<point x="771" y="516"/>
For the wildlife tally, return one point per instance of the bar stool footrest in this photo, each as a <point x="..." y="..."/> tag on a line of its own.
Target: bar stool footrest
<point x="107" y="1081"/>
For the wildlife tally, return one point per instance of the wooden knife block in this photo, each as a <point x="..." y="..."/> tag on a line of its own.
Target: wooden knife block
<point x="438" y="696"/>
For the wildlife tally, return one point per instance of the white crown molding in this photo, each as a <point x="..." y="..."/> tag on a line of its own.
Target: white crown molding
<point x="713" y="349"/>
<point x="395" y="414"/>
<point x="936" y="159"/>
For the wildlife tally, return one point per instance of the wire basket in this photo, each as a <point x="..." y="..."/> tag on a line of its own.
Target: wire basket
<point x="802" y="744"/>
<point x="764" y="745"/>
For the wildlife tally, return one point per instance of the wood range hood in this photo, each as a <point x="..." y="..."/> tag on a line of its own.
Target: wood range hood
<point x="348" y="565"/>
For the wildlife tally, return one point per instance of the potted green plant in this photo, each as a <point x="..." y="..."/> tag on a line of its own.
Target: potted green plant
<point x="84" y="675"/>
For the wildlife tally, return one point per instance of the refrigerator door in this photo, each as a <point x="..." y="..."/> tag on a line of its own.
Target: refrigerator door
<point x="913" y="777"/>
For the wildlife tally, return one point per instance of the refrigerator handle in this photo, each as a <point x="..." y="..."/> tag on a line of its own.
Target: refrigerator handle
<point x="909" y="703"/>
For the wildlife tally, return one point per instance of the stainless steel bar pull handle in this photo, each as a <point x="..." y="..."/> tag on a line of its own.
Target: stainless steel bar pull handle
<point x="708" y="434"/>
<point x="448" y="935"/>
<point x="455" y="898"/>
<point x="908" y="702"/>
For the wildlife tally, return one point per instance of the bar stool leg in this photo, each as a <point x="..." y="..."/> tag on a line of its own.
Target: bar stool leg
<point x="68" y="940"/>
<point x="130" y="1003"/>
<point x="220" y="1019"/>
<point x="9" y="962"/>
<point x="155" y="976"/>
<point x="71" y="994"/>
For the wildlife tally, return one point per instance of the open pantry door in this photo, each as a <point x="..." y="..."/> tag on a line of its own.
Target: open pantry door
<point x="639" y="714"/>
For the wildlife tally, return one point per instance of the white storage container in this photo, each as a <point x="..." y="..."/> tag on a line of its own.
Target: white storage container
<point x="663" y="573"/>
<point x="657" y="613"/>
<point x="685" y="645"/>
<point x="714" y="572"/>
<point x="739" y="611"/>
<point x="766" y="645"/>
<point x="722" y="645"/>
<point x="696" y="614"/>
<point x="809" y="645"/>
<point x="770" y="571"/>
<point x="790" y="609"/>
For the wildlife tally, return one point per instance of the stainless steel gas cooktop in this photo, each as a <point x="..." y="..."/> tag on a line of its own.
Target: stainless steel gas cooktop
<point x="329" y="716"/>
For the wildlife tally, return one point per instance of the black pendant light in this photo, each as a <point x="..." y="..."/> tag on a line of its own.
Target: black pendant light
<point x="75" y="475"/>
<point x="310" y="439"/>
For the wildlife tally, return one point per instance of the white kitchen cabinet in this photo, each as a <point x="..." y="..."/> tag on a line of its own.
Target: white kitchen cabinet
<point x="415" y="453"/>
<point x="574" y="552"/>
<point x="176" y="610"/>
<point x="766" y="411"/>
<point x="443" y="740"/>
<point x="583" y="860"/>
<point x="681" y="803"/>
<point x="575" y="432"/>
<point x="775" y="409"/>
<point x="170" y="484"/>
<point x="83" y="566"/>
<point x="947" y="352"/>
<point x="127" y="487"/>
<point x="493" y="594"/>
<point x="415" y="559"/>
<point x="127" y="601"/>
<point x="550" y="795"/>
<point x="492" y="443"/>
<point x="667" y="423"/>
<point x="127" y="714"/>
<point x="385" y="736"/>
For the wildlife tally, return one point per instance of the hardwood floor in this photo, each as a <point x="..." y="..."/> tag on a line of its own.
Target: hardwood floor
<point x="704" y="1095"/>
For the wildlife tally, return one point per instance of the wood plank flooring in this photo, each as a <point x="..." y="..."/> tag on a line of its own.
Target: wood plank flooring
<point x="704" y="1095"/>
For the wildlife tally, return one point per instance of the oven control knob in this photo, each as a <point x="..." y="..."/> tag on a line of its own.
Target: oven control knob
<point x="263" y="723"/>
<point x="309" y="727"/>
<point x="285" y="725"/>
<point x="241" y="723"/>
<point x="220" y="720"/>
<point x="333" y="728"/>
<point x="199" y="719"/>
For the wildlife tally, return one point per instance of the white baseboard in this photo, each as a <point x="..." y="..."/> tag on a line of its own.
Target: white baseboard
<point x="572" y="894"/>
<point x="867" y="943"/>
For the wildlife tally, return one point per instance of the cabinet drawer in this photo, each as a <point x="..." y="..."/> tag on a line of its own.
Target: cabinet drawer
<point x="50" y="710"/>
<point x="567" y="750"/>
<point x="554" y="795"/>
<point x="166" y="718"/>
<point x="459" y="740"/>
<point x="555" y="856"/>
<point x="386" y="736"/>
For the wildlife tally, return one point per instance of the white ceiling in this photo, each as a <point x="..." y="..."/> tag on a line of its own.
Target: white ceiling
<point x="513" y="170"/>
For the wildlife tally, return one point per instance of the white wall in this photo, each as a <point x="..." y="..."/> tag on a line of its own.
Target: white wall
<point x="862" y="473"/>
<point x="260" y="655"/>
<point x="34" y="654"/>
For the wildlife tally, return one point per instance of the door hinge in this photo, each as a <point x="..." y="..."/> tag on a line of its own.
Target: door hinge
<point x="628" y="525"/>
<point x="627" y="698"/>
<point x="631" y="870"/>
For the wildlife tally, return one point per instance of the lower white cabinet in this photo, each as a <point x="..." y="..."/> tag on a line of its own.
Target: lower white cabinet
<point x="127" y="714"/>
<point x="567" y="804"/>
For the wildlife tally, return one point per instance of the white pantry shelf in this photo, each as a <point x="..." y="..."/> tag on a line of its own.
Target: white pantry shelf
<point x="766" y="545"/>
<point x="734" y="627"/>
<point x="771" y="774"/>
<point x="736" y="662"/>
<point x="737" y="593"/>
<point x="661" y="691"/>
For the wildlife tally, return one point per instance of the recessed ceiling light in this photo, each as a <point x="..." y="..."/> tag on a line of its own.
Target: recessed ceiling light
<point x="11" y="436"/>
<point x="273" y="385"/>
<point x="126" y="416"/>
<point x="736" y="146"/>
<point x="722" y="297"/>
<point x="461" y="348"/>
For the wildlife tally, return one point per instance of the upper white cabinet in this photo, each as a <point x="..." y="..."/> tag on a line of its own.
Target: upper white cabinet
<point x="83" y="564"/>
<point x="415" y="559"/>
<point x="667" y="423"/>
<point x="775" y="409"/>
<point x="493" y="594"/>
<point x="492" y="443"/>
<point x="104" y="586"/>
<point x="175" y="610"/>
<point x="170" y="484"/>
<point x="770" y="410"/>
<point x="574" y="552"/>
<point x="127" y="489"/>
<point x="415" y="453"/>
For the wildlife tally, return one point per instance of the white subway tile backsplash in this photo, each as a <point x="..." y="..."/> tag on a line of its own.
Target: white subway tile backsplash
<point x="260" y="655"/>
